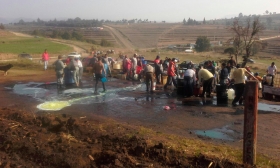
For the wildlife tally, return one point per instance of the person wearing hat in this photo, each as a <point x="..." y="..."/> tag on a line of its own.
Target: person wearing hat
<point x="148" y="72"/>
<point x="272" y="71"/>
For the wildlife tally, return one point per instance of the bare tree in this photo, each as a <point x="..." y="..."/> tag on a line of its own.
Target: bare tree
<point x="245" y="35"/>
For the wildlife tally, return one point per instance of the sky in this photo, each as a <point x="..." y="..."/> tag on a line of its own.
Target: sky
<point x="153" y="10"/>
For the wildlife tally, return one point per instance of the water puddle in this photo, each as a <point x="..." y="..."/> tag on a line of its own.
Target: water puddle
<point x="224" y="133"/>
<point x="268" y="107"/>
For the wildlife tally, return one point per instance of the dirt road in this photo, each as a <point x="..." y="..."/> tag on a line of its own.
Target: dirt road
<point x="121" y="40"/>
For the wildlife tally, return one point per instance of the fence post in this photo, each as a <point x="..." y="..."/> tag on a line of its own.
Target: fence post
<point x="250" y="122"/>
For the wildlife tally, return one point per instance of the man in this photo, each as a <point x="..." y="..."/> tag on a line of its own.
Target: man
<point x="98" y="68"/>
<point x="106" y="59"/>
<point x="206" y="78"/>
<point x="81" y="69"/>
<point x="158" y="70"/>
<point x="210" y="67"/>
<point x="189" y="81"/>
<point x="59" y="66"/>
<point x="73" y="67"/>
<point x="45" y="59"/>
<point x="232" y="62"/>
<point x="134" y="66"/>
<point x="272" y="71"/>
<point x="148" y="72"/>
<point x="224" y="74"/>
<point x="238" y="76"/>
<point x="171" y="72"/>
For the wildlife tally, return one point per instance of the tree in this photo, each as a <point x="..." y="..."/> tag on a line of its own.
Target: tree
<point x="184" y="21"/>
<point x="245" y="35"/>
<point x="269" y="21"/>
<point x="66" y="36"/>
<point x="2" y="27"/>
<point x="229" y="51"/>
<point x="202" y="44"/>
<point x="240" y="15"/>
<point x="204" y="22"/>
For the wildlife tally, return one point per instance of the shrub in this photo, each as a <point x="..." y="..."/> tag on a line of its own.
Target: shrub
<point x="105" y="43"/>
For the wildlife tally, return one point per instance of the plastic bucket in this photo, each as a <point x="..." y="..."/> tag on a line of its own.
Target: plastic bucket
<point x="164" y="80"/>
<point x="154" y="85"/>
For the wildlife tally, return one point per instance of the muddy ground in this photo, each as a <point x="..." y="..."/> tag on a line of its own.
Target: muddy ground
<point x="106" y="134"/>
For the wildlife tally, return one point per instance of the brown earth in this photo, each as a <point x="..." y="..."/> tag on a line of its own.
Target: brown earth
<point x="80" y="136"/>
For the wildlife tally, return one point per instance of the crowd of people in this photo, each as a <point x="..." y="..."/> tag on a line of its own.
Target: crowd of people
<point x="136" y="67"/>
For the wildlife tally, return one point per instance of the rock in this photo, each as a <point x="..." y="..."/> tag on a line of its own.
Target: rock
<point x="118" y="163"/>
<point x="90" y="157"/>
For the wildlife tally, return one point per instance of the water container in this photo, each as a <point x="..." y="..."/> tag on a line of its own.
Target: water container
<point x="269" y="80"/>
<point x="231" y="94"/>
<point x="116" y="66"/>
<point x="154" y="85"/>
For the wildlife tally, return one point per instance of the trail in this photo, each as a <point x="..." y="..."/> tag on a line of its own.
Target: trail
<point x="121" y="40"/>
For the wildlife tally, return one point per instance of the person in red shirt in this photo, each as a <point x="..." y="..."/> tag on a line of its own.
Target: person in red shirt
<point x="171" y="72"/>
<point x="45" y="59"/>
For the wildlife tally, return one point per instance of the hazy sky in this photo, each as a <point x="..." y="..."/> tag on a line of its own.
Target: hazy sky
<point x="158" y="10"/>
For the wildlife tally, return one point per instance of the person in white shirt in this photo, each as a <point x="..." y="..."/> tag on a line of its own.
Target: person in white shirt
<point x="272" y="71"/>
<point x="81" y="70"/>
<point x="189" y="81"/>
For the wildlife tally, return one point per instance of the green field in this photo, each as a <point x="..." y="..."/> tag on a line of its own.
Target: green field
<point x="17" y="45"/>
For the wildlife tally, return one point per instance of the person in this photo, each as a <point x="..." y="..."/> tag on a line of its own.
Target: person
<point x="158" y="70"/>
<point x="148" y="72"/>
<point x="134" y="66"/>
<point x="224" y="74"/>
<point x="205" y="78"/>
<point x="45" y="59"/>
<point x="128" y="65"/>
<point x="59" y="66"/>
<point x="124" y="64"/>
<point x="228" y="68"/>
<point x="272" y="71"/>
<point x="189" y="81"/>
<point x="210" y="67"/>
<point x="98" y="69"/>
<point x="108" y="68"/>
<point x="73" y="67"/>
<point x="171" y="72"/>
<point x="232" y="62"/>
<point x="239" y="78"/>
<point x="81" y="69"/>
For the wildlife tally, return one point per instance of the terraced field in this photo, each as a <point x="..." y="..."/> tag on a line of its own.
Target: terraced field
<point x="163" y="34"/>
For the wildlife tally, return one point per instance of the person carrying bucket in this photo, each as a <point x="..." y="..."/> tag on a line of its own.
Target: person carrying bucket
<point x="148" y="72"/>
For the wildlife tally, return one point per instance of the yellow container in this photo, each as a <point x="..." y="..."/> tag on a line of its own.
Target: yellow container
<point x="164" y="80"/>
<point x="116" y="66"/>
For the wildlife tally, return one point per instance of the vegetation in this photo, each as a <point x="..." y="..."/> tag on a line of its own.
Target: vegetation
<point x="2" y="27"/>
<point x="229" y="51"/>
<point x="31" y="45"/>
<point x="245" y="35"/>
<point x="202" y="44"/>
<point x="105" y="43"/>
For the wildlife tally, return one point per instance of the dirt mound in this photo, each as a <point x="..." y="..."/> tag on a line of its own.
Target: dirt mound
<point x="47" y="140"/>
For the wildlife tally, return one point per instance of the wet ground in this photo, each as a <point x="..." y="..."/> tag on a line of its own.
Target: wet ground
<point x="127" y="101"/>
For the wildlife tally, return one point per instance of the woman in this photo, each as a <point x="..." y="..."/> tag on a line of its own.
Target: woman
<point x="189" y="82"/>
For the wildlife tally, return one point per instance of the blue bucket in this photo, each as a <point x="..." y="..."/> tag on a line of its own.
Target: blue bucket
<point x="104" y="79"/>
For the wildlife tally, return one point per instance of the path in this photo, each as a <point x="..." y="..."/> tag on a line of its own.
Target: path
<point x="121" y="40"/>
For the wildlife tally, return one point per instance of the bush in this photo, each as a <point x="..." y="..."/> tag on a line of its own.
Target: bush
<point x="202" y="44"/>
<point x="106" y="43"/>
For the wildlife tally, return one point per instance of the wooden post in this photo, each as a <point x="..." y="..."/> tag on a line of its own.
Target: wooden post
<point x="250" y="122"/>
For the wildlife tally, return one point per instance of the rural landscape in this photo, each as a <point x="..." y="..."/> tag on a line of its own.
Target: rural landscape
<point x="127" y="126"/>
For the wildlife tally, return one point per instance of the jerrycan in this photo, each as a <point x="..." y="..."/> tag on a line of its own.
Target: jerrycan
<point x="231" y="94"/>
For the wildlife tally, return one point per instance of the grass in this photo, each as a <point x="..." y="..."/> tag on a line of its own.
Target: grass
<point x="17" y="45"/>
